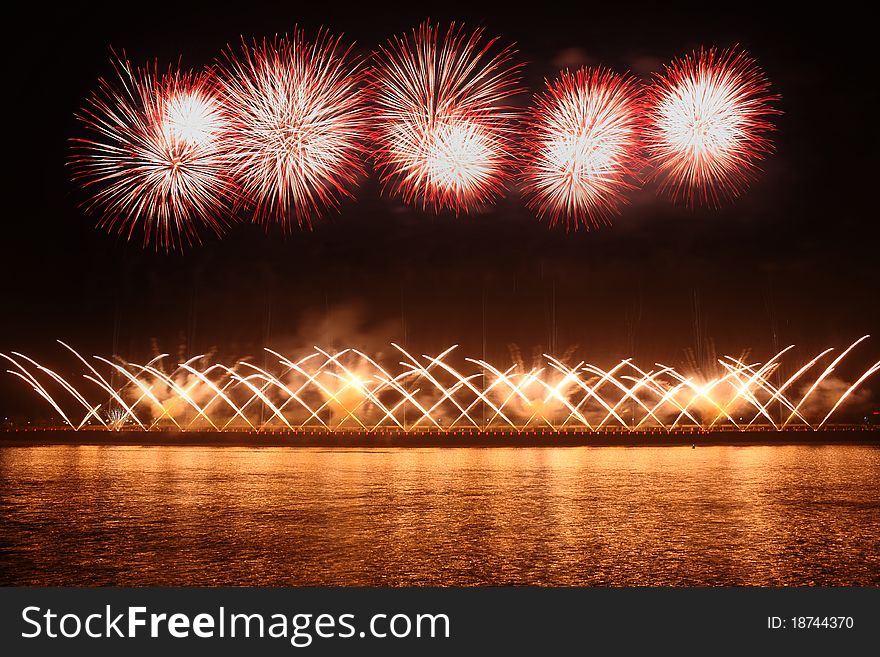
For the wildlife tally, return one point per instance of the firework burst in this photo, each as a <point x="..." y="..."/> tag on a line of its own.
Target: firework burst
<point x="155" y="162"/>
<point x="443" y="131"/>
<point x="582" y="149"/>
<point x="349" y="390"/>
<point x="297" y="140"/>
<point x="707" y="125"/>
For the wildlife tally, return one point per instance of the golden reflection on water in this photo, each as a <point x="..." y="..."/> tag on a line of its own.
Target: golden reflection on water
<point x="786" y="515"/>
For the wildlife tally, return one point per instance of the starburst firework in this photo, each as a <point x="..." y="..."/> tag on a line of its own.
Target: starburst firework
<point x="582" y="149"/>
<point x="443" y="128"/>
<point x="707" y="124"/>
<point x="154" y="161"/>
<point x="297" y="141"/>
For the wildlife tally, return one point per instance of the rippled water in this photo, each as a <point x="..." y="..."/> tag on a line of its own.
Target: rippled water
<point x="799" y="515"/>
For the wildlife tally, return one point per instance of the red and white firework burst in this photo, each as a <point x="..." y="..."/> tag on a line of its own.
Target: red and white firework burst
<point x="582" y="149"/>
<point x="443" y="130"/>
<point x="298" y="139"/>
<point x="707" y="124"/>
<point x="155" y="161"/>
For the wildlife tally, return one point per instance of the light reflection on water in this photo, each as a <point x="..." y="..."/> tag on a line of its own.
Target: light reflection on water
<point x="787" y="515"/>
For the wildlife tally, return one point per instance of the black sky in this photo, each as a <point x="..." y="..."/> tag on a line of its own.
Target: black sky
<point x="797" y="255"/>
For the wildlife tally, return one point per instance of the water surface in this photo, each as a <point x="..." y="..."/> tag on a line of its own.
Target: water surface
<point x="781" y="515"/>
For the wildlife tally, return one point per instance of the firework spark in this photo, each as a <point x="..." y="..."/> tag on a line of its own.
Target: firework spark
<point x="155" y="161"/>
<point x="349" y="390"/>
<point x="707" y="125"/>
<point x="297" y="141"/>
<point x="442" y="128"/>
<point x="582" y="149"/>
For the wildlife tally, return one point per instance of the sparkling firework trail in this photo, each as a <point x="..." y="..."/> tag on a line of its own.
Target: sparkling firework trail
<point x="155" y="161"/>
<point x="582" y="149"/>
<point x="707" y="124"/>
<point x="350" y="391"/>
<point x="297" y="141"/>
<point x="443" y="130"/>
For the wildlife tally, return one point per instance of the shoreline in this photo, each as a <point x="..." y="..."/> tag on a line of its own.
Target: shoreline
<point x="353" y="439"/>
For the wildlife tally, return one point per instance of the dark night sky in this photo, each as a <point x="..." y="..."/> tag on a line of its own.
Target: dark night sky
<point x="798" y="250"/>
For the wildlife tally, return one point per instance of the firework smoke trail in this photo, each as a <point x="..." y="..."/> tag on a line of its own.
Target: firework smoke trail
<point x="443" y="131"/>
<point x="707" y="124"/>
<point x="155" y="161"/>
<point x="300" y="124"/>
<point x="348" y="390"/>
<point x="582" y="148"/>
